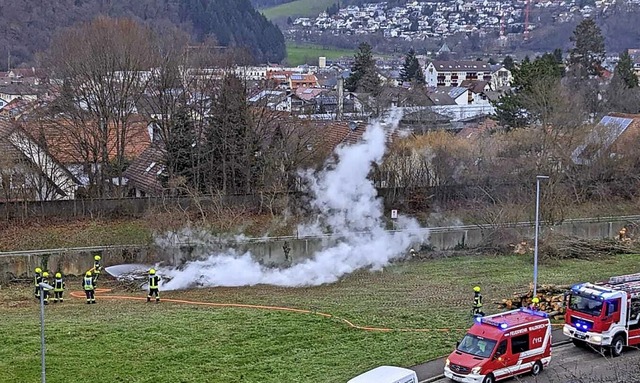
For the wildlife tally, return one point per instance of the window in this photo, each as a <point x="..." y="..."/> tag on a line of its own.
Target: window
<point x="477" y="346"/>
<point x="585" y="304"/>
<point x="612" y="307"/>
<point x="520" y="344"/>
<point x="634" y="312"/>
<point x="502" y="348"/>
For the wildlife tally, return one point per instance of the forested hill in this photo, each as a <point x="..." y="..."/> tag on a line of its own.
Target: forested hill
<point x="26" y="26"/>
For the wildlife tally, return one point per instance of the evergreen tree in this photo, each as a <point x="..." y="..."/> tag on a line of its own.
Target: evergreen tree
<point x="231" y="141"/>
<point x="624" y="70"/>
<point x="588" y="53"/>
<point x="508" y="63"/>
<point x="411" y="70"/>
<point x="364" y="75"/>
<point x="512" y="109"/>
<point x="180" y="155"/>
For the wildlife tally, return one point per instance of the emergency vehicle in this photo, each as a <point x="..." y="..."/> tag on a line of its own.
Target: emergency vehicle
<point x="605" y="314"/>
<point x="502" y="346"/>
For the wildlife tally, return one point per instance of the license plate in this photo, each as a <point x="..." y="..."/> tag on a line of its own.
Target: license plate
<point x="580" y="335"/>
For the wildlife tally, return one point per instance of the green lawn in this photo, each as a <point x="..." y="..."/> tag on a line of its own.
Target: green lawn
<point x="298" y="8"/>
<point x="301" y="54"/>
<point x="130" y="341"/>
<point x="75" y="234"/>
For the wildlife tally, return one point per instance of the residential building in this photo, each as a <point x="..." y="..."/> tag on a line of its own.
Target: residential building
<point x="452" y="73"/>
<point x="29" y="172"/>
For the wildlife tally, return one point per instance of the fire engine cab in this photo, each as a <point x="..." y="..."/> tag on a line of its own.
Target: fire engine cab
<point x="501" y="346"/>
<point x="605" y="314"/>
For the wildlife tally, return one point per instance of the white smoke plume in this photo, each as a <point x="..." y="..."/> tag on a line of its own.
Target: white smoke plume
<point x="347" y="206"/>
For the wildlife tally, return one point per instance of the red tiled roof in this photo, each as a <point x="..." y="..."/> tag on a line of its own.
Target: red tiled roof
<point x="71" y="144"/>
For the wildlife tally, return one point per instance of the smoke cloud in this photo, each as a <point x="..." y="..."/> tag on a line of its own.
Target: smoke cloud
<point x="347" y="206"/>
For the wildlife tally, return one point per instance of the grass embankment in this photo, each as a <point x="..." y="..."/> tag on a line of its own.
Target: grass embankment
<point x="74" y="234"/>
<point x="298" y="8"/>
<point x="129" y="341"/>
<point x="308" y="54"/>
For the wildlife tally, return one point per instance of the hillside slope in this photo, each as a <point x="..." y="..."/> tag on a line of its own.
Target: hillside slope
<point x="26" y="26"/>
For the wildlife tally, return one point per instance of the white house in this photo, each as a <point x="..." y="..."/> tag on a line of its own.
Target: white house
<point x="452" y="73"/>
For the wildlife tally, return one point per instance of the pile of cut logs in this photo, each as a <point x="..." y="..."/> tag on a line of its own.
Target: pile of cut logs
<point x="550" y="296"/>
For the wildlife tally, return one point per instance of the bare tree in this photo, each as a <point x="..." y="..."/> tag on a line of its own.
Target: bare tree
<point x="105" y="66"/>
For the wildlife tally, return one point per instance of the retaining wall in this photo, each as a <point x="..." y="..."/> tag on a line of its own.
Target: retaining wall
<point x="271" y="251"/>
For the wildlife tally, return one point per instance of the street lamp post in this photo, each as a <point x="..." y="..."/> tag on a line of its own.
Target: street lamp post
<point x="535" y="248"/>
<point x="43" y="286"/>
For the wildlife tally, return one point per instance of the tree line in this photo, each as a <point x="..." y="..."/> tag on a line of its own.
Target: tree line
<point x="213" y="142"/>
<point x="29" y="26"/>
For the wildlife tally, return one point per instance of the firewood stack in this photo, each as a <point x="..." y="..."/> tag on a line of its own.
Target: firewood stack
<point x="550" y="296"/>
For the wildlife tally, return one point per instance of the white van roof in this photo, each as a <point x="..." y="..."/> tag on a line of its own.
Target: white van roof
<point x="386" y="374"/>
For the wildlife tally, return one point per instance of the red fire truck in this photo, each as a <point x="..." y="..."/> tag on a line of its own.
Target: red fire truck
<point x="605" y="314"/>
<point x="501" y="346"/>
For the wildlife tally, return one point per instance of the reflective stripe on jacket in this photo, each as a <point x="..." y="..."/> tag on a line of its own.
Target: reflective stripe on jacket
<point x="58" y="285"/>
<point x="87" y="283"/>
<point x="477" y="301"/>
<point x="37" y="279"/>
<point x="153" y="282"/>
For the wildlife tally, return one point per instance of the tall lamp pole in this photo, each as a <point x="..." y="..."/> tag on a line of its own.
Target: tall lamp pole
<point x="43" y="286"/>
<point x="535" y="248"/>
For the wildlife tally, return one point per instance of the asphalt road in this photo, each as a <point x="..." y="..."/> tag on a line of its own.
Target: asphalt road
<point x="570" y="364"/>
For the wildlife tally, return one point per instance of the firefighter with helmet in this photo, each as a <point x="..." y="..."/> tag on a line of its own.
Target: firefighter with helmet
<point x="45" y="292"/>
<point x="154" y="280"/>
<point x="37" y="278"/>
<point x="534" y="303"/>
<point x="477" y="302"/>
<point x="97" y="267"/>
<point x="58" y="288"/>
<point x="89" y="287"/>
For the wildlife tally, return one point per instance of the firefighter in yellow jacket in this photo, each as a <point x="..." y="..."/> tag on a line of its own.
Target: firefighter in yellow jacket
<point x="37" y="278"/>
<point x="477" y="302"/>
<point x="45" y="292"/>
<point x="58" y="288"/>
<point x="88" y="286"/>
<point x="154" y="281"/>
<point x="97" y="268"/>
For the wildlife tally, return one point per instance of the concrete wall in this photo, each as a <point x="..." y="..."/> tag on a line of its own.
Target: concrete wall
<point x="271" y="252"/>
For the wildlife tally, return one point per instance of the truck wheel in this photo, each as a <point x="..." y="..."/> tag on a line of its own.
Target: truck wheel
<point x="536" y="369"/>
<point x="489" y="379"/>
<point x="617" y="346"/>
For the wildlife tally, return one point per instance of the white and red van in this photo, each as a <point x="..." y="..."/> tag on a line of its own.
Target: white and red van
<point x="500" y="346"/>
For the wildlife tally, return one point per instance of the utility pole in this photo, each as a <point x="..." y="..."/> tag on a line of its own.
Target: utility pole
<point x="43" y="286"/>
<point x="535" y="248"/>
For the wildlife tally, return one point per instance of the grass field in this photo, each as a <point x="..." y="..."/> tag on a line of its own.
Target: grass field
<point x="130" y="341"/>
<point x="301" y="54"/>
<point x="75" y="234"/>
<point x="298" y="8"/>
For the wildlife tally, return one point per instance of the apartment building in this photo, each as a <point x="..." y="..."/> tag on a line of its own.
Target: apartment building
<point x="453" y="73"/>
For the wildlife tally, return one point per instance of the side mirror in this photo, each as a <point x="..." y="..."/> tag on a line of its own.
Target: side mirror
<point x="457" y="344"/>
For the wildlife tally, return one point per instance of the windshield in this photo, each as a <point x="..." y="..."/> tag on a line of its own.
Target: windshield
<point x="585" y="305"/>
<point x="477" y="346"/>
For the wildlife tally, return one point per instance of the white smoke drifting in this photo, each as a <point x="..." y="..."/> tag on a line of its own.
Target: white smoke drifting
<point x="347" y="206"/>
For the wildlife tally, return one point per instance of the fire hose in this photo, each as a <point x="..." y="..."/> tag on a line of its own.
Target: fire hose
<point x="101" y="293"/>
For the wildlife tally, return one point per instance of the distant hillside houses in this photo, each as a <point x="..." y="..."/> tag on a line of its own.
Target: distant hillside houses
<point x="418" y="20"/>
